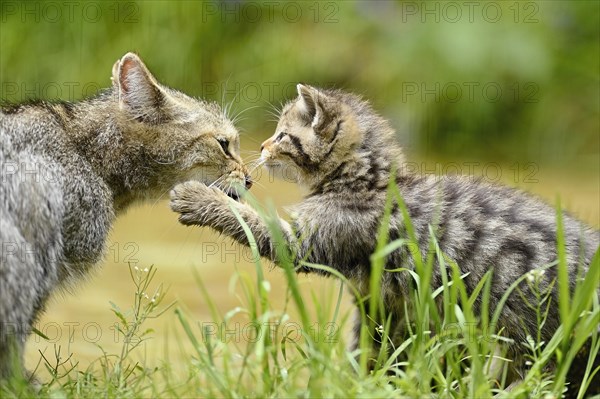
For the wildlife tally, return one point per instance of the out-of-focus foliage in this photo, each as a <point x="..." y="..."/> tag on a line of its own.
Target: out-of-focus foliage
<point x="496" y="80"/>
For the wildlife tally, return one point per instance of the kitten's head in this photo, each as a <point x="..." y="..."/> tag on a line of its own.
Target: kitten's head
<point x="323" y="129"/>
<point x="183" y="137"/>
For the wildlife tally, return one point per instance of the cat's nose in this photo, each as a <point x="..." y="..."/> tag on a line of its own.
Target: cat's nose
<point x="262" y="146"/>
<point x="248" y="181"/>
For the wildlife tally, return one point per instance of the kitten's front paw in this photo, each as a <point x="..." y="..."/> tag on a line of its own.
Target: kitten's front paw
<point x="195" y="202"/>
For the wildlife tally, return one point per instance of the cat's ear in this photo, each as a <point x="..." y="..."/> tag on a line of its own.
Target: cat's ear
<point x="307" y="100"/>
<point x="317" y="108"/>
<point x="311" y="103"/>
<point x="139" y="92"/>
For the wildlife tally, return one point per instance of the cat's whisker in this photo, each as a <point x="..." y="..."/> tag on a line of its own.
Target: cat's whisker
<point x="276" y="114"/>
<point x="253" y="163"/>
<point x="258" y="184"/>
<point x="258" y="160"/>
<point x="252" y="159"/>
<point x="160" y="197"/>
<point x="230" y="105"/>
<point x="219" y="180"/>
<point x="230" y="189"/>
<point x="258" y="165"/>
<point x="252" y="166"/>
<point x="224" y="91"/>
<point x="236" y="119"/>
<point x="253" y="140"/>
<point x="275" y="110"/>
<point x="273" y="114"/>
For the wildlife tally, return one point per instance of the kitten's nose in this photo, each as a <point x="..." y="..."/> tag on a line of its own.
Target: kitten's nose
<point x="248" y="181"/>
<point x="264" y="143"/>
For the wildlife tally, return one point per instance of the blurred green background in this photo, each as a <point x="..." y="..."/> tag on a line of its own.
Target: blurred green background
<point x="507" y="90"/>
<point x="510" y="81"/>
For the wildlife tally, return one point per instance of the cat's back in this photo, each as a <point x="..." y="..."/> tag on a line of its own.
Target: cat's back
<point x="33" y="172"/>
<point x="484" y="223"/>
<point x="47" y="186"/>
<point x="33" y="127"/>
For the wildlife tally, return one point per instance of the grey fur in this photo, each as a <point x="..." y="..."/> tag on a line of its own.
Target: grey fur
<point x="338" y="148"/>
<point x="68" y="169"/>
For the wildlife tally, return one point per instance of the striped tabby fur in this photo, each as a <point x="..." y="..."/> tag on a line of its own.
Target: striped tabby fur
<point x="338" y="148"/>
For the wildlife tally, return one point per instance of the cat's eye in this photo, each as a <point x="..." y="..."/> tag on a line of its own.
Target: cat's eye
<point x="280" y="136"/>
<point x="224" y="145"/>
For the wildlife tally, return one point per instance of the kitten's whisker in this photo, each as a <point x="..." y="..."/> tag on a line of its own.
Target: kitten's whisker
<point x="252" y="163"/>
<point x="257" y="157"/>
<point x="259" y="164"/>
<point x="276" y="111"/>
<point x="273" y="114"/>
<point x="252" y="159"/>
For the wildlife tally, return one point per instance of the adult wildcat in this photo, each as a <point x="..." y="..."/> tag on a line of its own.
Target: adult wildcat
<point x="68" y="169"/>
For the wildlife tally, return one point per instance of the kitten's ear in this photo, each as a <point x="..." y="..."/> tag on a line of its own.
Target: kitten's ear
<point x="318" y="109"/>
<point x="307" y="99"/>
<point x="311" y="102"/>
<point x="139" y="92"/>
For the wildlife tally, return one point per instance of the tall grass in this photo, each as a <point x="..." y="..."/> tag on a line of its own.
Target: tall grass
<point x="451" y="351"/>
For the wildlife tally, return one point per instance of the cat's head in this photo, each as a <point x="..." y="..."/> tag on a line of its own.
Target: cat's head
<point x="183" y="137"/>
<point x="323" y="129"/>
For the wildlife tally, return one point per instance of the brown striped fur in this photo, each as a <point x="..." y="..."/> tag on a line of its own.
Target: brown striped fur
<point x="69" y="169"/>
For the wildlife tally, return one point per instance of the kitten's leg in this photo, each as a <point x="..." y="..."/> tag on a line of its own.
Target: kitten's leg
<point x="373" y="346"/>
<point x="393" y="338"/>
<point x="201" y="205"/>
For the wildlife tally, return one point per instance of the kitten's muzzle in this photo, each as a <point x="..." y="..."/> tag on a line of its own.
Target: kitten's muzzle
<point x="265" y="144"/>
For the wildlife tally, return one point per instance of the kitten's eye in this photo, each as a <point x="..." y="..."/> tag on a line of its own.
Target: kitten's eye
<point x="280" y="136"/>
<point x="224" y="145"/>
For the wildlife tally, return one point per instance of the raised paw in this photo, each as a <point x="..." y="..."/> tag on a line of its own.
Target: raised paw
<point x="196" y="202"/>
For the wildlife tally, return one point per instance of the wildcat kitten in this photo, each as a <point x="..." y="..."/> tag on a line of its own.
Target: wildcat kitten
<point x="69" y="169"/>
<point x="338" y="148"/>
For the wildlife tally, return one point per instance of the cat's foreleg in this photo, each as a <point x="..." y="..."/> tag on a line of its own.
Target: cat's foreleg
<point x="201" y="205"/>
